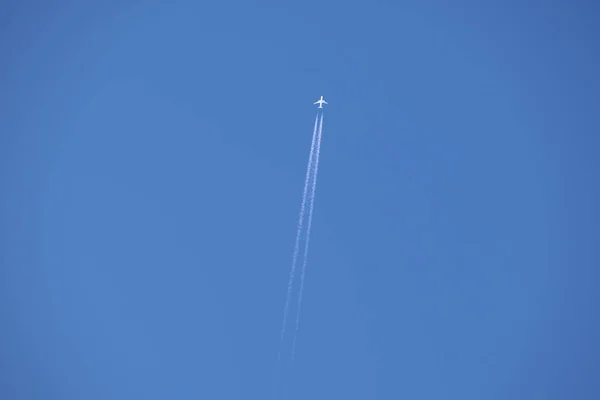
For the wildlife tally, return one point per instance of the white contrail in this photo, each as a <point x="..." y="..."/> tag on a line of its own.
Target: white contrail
<point x="298" y="235"/>
<point x="308" y="226"/>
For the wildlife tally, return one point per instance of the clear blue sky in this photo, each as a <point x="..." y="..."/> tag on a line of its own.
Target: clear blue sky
<point x="152" y="156"/>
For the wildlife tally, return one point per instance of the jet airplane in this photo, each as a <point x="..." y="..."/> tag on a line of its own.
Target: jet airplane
<point x="320" y="102"/>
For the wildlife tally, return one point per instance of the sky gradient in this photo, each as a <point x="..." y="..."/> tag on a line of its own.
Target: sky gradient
<point x="152" y="157"/>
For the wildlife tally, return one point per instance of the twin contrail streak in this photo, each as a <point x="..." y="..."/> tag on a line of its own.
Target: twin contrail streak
<point x="308" y="226"/>
<point x="307" y="206"/>
<point x="298" y="236"/>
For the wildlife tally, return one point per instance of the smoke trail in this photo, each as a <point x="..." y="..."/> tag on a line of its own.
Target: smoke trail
<point x="296" y="251"/>
<point x="308" y="226"/>
<point x="298" y="234"/>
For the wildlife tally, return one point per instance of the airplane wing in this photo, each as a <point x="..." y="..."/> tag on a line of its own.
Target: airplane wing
<point x="324" y="102"/>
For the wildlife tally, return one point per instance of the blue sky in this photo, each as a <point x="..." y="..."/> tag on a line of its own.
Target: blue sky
<point x="152" y="156"/>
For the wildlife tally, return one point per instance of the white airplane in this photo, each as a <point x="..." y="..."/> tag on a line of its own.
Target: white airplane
<point x="320" y="102"/>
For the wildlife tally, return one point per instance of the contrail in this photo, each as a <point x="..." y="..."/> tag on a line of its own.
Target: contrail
<point x="308" y="226"/>
<point x="298" y="234"/>
<point x="309" y="181"/>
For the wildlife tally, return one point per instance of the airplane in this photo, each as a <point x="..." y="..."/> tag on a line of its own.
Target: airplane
<point x="321" y="102"/>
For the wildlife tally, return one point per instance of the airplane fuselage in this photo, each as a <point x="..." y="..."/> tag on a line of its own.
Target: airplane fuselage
<point x="320" y="102"/>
